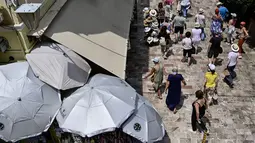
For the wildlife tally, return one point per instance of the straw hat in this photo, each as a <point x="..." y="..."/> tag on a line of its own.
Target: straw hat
<point x="219" y="3"/>
<point x="150" y="40"/>
<point x="201" y="10"/>
<point x="234" y="47"/>
<point x="155" y="39"/>
<point x="147" y="29"/>
<point x="153" y="13"/>
<point x="197" y="25"/>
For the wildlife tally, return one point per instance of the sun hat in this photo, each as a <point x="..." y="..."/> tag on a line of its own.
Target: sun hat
<point x="197" y="25"/>
<point x="154" y="25"/>
<point x="201" y="10"/>
<point x="212" y="67"/>
<point x="154" y="33"/>
<point x="153" y="13"/>
<point x="155" y="39"/>
<point x="219" y="3"/>
<point x="234" y="47"/>
<point x="150" y="40"/>
<point x="147" y="29"/>
<point x="146" y="9"/>
<point x="156" y="59"/>
<point x="242" y="23"/>
<point x="233" y="14"/>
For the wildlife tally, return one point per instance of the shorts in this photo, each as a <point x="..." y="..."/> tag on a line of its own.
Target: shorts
<point x="178" y="29"/>
<point x="185" y="52"/>
<point x="213" y="53"/>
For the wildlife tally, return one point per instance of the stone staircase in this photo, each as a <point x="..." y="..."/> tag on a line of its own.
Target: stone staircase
<point x="232" y="121"/>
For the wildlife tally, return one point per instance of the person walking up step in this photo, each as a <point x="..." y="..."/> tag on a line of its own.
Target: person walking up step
<point x="210" y="85"/>
<point x="200" y="18"/>
<point x="243" y="35"/>
<point x="232" y="62"/>
<point x="196" y="36"/>
<point x="214" y="48"/>
<point x="187" y="48"/>
<point x="179" y="24"/>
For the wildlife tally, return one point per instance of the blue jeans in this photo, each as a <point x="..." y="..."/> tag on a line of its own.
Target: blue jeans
<point x="232" y="74"/>
<point x="184" y="10"/>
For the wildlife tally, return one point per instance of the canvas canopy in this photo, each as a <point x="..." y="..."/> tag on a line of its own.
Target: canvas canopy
<point x="97" y="30"/>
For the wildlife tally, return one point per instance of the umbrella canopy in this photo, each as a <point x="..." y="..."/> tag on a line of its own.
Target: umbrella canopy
<point x="100" y="106"/>
<point x="145" y="124"/>
<point x="27" y="105"/>
<point x="58" y="66"/>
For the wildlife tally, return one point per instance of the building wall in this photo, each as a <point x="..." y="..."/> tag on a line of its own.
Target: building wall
<point x="18" y="40"/>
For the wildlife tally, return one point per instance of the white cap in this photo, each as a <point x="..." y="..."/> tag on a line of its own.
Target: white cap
<point x="219" y="3"/>
<point x="146" y="9"/>
<point x="156" y="59"/>
<point x="147" y="29"/>
<point x="233" y="14"/>
<point x="211" y="67"/>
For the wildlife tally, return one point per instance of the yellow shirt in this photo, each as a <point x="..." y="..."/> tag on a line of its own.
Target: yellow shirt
<point x="210" y="79"/>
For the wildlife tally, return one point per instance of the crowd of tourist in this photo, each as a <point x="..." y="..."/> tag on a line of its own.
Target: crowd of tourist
<point x="161" y="23"/>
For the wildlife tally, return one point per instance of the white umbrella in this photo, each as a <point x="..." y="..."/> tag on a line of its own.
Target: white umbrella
<point x="58" y="66"/>
<point x="100" y="106"/>
<point x="27" y="105"/>
<point x="145" y="124"/>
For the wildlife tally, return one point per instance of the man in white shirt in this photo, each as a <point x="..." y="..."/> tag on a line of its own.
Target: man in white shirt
<point x="187" y="47"/>
<point x="232" y="61"/>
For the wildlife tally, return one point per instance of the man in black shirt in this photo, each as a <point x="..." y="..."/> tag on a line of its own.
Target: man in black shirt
<point x="214" y="48"/>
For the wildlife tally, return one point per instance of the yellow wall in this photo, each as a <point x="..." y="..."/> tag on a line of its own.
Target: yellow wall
<point x="18" y="40"/>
